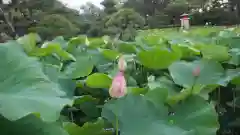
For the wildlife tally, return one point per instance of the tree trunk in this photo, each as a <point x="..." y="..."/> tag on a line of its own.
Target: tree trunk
<point x="238" y="9"/>
<point x="7" y="20"/>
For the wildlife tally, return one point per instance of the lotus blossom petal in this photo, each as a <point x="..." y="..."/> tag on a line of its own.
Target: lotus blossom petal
<point x="122" y="64"/>
<point x="118" y="87"/>
<point x="196" y="71"/>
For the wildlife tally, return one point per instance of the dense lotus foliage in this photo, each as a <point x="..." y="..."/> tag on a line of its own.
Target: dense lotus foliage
<point x="62" y="87"/>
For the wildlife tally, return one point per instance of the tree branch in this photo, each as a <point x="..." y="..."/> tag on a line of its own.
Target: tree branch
<point x="7" y="21"/>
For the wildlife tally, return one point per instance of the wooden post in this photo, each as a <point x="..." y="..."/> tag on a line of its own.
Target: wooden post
<point x="185" y="23"/>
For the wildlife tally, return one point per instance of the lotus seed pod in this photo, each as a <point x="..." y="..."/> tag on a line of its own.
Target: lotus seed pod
<point x="118" y="88"/>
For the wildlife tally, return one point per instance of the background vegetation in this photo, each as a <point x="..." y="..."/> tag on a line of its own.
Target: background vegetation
<point x="56" y="81"/>
<point x="38" y="16"/>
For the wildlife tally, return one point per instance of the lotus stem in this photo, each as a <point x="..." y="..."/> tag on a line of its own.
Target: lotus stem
<point x="116" y="125"/>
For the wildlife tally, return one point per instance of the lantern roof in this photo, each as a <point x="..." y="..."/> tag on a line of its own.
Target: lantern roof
<point x="185" y="14"/>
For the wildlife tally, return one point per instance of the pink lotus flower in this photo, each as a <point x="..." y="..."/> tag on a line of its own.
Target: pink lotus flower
<point x="122" y="64"/>
<point x="118" y="88"/>
<point x="196" y="71"/>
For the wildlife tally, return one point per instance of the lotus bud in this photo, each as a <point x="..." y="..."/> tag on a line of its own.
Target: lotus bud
<point x="122" y="65"/>
<point x="118" y="88"/>
<point x="196" y="72"/>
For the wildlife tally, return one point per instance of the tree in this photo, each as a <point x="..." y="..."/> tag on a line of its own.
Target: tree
<point x="146" y="7"/>
<point x="90" y="8"/>
<point x="92" y="20"/>
<point x="158" y="20"/>
<point x="54" y="25"/>
<point x="25" y="14"/>
<point x="197" y="4"/>
<point x="177" y="7"/>
<point x="235" y="7"/>
<point x="109" y="6"/>
<point x="125" y="22"/>
<point x="90" y="13"/>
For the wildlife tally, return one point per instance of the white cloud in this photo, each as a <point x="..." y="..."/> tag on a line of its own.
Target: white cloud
<point x="77" y="3"/>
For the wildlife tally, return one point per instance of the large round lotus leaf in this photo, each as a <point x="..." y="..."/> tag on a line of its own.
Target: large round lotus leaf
<point x="30" y="125"/>
<point x="110" y="54"/>
<point x="158" y="58"/>
<point x="28" y="42"/>
<point x="232" y="76"/>
<point x="210" y="72"/>
<point x="67" y="84"/>
<point x="98" y="80"/>
<point x="74" y="42"/>
<point x="52" y="48"/>
<point x="127" y="47"/>
<point x="25" y="89"/>
<point x="157" y="96"/>
<point x="215" y="52"/>
<point x="152" y="40"/>
<point x="81" y="68"/>
<point x="61" y="41"/>
<point x="235" y="59"/>
<point x="88" y="128"/>
<point x="138" y="116"/>
<point x="95" y="42"/>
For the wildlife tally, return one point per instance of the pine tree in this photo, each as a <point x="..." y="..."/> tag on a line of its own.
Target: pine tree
<point x="109" y="6"/>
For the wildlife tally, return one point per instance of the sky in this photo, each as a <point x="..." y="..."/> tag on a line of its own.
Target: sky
<point x="77" y="3"/>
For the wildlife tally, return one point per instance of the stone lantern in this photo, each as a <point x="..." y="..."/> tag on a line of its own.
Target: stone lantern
<point x="185" y="24"/>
